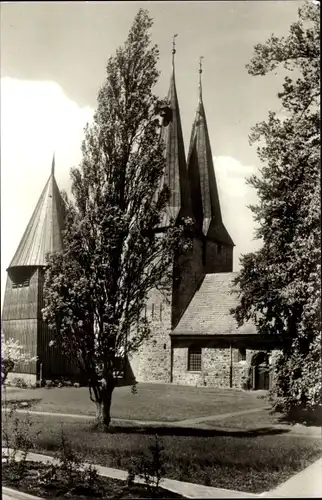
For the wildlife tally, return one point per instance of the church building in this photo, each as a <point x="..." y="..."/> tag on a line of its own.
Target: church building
<point x="195" y="340"/>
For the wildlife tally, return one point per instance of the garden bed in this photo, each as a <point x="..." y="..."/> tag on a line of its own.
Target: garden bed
<point x="33" y="482"/>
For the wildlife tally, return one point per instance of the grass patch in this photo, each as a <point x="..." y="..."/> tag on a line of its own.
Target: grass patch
<point x="254" y="461"/>
<point x="155" y="402"/>
<point x="248" y="421"/>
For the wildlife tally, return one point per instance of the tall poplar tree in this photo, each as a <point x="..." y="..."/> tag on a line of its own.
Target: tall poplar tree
<point x="114" y="253"/>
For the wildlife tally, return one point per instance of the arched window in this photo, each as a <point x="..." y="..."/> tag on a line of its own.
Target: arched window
<point x="194" y="359"/>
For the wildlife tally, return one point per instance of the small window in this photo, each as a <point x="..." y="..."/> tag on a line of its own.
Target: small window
<point x="20" y="277"/>
<point x="242" y="354"/>
<point x="20" y="284"/>
<point x="194" y="359"/>
<point x="219" y="247"/>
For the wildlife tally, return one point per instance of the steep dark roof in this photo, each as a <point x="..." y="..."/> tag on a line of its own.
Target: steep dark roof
<point x="202" y="179"/>
<point x="176" y="177"/>
<point x="43" y="233"/>
<point x="208" y="312"/>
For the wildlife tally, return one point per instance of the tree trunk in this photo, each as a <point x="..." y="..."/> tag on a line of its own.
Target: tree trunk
<point x="6" y="367"/>
<point x="103" y="409"/>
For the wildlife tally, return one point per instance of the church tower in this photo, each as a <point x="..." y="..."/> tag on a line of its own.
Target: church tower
<point x="194" y="194"/>
<point x="155" y="356"/>
<point x="23" y="300"/>
<point x="218" y="245"/>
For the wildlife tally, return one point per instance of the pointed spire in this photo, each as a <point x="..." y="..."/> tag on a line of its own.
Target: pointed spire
<point x="173" y="48"/>
<point x="175" y="176"/>
<point x="43" y="234"/>
<point x="202" y="180"/>
<point x="53" y="165"/>
<point x="200" y="73"/>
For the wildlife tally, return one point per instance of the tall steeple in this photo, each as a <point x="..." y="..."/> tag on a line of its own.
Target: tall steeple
<point x="176" y="170"/>
<point x="203" y="186"/>
<point x="43" y="234"/>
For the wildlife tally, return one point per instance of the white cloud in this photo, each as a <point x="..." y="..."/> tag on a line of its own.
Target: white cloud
<point x="37" y="118"/>
<point x="235" y="195"/>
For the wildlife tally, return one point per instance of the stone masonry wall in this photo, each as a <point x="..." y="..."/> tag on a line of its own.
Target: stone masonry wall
<point x="154" y="357"/>
<point x="181" y="375"/>
<point x="153" y="362"/>
<point x="215" y="367"/>
<point x="214" y="372"/>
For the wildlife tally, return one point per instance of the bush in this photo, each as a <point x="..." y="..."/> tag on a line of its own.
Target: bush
<point x="70" y="473"/>
<point x="19" y="382"/>
<point x="18" y="440"/>
<point x="151" y="468"/>
<point x="57" y="382"/>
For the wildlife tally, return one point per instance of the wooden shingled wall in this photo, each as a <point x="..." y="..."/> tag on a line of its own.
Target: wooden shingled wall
<point x="19" y="316"/>
<point x="22" y="321"/>
<point x="54" y="362"/>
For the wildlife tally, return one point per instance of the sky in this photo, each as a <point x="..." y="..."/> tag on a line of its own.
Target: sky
<point x="53" y="59"/>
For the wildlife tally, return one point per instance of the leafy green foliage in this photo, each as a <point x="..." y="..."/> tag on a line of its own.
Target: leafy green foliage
<point x="280" y="283"/>
<point x="114" y="252"/>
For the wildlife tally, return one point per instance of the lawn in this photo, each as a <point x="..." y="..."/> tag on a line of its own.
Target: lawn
<point x="155" y="402"/>
<point x="253" y="461"/>
<point x="248" y="421"/>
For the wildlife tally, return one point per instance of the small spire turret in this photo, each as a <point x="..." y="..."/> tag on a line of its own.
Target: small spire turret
<point x="173" y="48"/>
<point x="200" y="73"/>
<point x="53" y="165"/>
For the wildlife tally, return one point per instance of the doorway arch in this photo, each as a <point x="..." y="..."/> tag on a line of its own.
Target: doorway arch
<point x="260" y="371"/>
